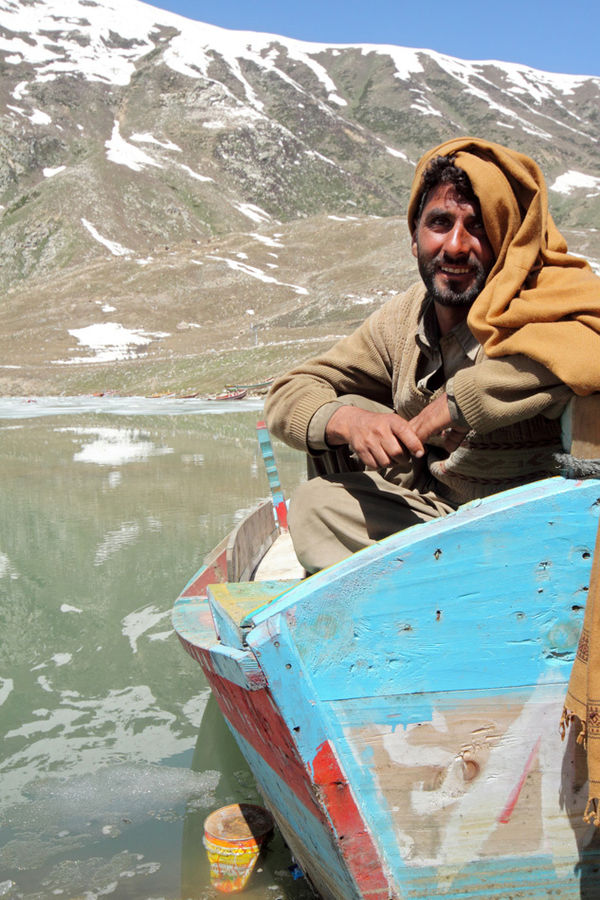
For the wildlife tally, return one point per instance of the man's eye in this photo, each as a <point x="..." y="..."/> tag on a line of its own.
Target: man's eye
<point x="439" y="222"/>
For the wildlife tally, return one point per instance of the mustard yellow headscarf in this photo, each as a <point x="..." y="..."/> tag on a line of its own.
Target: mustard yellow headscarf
<point x="538" y="300"/>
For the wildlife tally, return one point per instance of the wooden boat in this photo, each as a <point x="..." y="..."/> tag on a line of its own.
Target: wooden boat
<point x="400" y="710"/>
<point x="259" y="386"/>
<point x="231" y="395"/>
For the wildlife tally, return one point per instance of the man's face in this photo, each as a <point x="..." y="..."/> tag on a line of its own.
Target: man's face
<point x="452" y="248"/>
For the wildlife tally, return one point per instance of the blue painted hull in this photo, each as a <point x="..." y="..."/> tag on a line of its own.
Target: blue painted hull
<point x="400" y="710"/>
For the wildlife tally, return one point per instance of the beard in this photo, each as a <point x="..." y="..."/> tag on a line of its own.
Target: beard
<point x="447" y="296"/>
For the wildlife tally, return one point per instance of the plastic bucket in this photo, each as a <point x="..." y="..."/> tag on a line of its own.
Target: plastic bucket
<point x="233" y="837"/>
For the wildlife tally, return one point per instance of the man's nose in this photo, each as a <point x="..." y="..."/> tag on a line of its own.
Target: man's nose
<point x="458" y="240"/>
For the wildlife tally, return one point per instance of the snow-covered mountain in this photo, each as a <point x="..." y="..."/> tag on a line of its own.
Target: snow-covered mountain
<point x="127" y="132"/>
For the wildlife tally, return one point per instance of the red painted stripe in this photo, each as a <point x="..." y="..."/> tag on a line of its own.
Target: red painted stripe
<point x="355" y="841"/>
<point x="507" y="812"/>
<point x="215" y="573"/>
<point x="281" y="510"/>
<point x="253" y="714"/>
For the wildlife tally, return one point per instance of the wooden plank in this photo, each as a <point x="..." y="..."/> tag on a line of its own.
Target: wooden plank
<point x="582" y="426"/>
<point x="236" y="557"/>
<point x="249" y="542"/>
<point x="213" y="570"/>
<point x="195" y="629"/>
<point x="280" y="561"/>
<point x="232" y="605"/>
<point x="489" y="770"/>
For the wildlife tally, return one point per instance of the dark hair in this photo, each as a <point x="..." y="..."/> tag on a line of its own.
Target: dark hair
<point x="442" y="170"/>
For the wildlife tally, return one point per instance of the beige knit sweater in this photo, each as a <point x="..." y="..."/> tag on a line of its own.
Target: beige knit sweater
<point x="511" y="404"/>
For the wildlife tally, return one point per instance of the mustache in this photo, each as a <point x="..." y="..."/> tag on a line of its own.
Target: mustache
<point x="468" y="260"/>
<point x="447" y="295"/>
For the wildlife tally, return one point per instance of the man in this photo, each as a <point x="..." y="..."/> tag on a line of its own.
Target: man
<point x="452" y="390"/>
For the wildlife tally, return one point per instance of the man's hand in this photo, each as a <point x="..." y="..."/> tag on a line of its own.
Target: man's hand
<point x="435" y="419"/>
<point x="378" y="439"/>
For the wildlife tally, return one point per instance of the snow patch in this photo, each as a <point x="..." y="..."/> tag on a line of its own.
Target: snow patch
<point x="50" y="173"/>
<point x="147" y="138"/>
<point x="40" y="118"/>
<point x="195" y="174"/>
<point x="257" y="273"/>
<point x="123" y="153"/>
<point x="397" y="153"/>
<point x="21" y="90"/>
<point x="110" y="341"/>
<point x="572" y="180"/>
<point x="115" y="248"/>
<point x="264" y="239"/>
<point x="425" y="108"/>
<point x="253" y="212"/>
<point x="45" y="685"/>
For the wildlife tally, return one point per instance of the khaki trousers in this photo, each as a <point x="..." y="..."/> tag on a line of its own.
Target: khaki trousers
<point x="333" y="515"/>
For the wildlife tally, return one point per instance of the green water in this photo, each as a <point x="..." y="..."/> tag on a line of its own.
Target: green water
<point x="111" y="753"/>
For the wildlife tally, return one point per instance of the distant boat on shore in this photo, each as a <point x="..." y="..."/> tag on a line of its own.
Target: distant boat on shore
<point x="227" y="394"/>
<point x="262" y="385"/>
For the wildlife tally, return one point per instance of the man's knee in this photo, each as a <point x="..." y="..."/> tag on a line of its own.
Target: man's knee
<point x="304" y="505"/>
<point x="326" y="521"/>
<point x="304" y="520"/>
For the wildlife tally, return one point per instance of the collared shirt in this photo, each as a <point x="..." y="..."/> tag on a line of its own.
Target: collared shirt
<point x="441" y="357"/>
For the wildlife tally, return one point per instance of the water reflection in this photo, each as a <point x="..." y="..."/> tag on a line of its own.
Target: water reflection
<point x="103" y="519"/>
<point x="115" y="446"/>
<point x="273" y="876"/>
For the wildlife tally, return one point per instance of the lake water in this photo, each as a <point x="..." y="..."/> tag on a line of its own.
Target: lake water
<point x="112" y="753"/>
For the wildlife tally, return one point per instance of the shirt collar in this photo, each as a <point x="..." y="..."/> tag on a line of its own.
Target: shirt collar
<point x="428" y="334"/>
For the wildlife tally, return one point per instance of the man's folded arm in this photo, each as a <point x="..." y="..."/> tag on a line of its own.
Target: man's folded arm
<point x="500" y="392"/>
<point x="357" y="364"/>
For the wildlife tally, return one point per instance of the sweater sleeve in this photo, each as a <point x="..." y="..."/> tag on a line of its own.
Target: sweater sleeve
<point x="358" y="364"/>
<point x="500" y="392"/>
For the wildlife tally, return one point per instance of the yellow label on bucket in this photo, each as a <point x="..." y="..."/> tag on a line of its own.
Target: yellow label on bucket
<point x="233" y="837"/>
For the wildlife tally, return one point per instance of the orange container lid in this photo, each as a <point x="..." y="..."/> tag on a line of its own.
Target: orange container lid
<point x="239" y="822"/>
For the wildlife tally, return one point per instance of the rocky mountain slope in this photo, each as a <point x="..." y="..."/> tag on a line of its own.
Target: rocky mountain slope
<point x="184" y="205"/>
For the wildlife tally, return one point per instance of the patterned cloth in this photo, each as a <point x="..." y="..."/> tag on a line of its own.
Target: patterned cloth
<point x="583" y="697"/>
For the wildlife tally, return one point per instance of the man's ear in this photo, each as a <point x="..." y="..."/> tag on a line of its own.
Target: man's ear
<point x="413" y="244"/>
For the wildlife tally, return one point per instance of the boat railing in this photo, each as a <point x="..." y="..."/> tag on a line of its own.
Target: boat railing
<point x="249" y="541"/>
